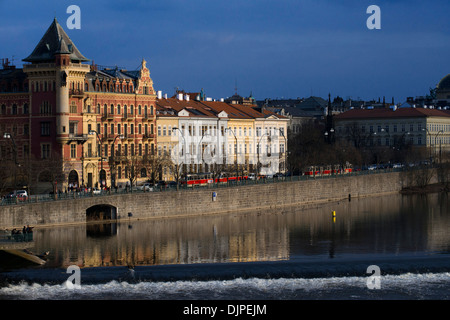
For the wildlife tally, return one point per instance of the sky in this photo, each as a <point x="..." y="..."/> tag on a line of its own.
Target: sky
<point x="267" y="48"/>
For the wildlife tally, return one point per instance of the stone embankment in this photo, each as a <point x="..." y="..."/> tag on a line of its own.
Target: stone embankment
<point x="203" y="201"/>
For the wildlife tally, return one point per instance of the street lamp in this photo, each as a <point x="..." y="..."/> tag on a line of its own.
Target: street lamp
<point x="435" y="143"/>
<point x="100" y="154"/>
<point x="285" y="150"/>
<point x="258" y="148"/>
<point x="201" y="155"/>
<point x="328" y="135"/>
<point x="235" y="150"/>
<point x="429" y="134"/>
<point x="182" y="153"/>
<point x="9" y="136"/>
<point x="121" y="137"/>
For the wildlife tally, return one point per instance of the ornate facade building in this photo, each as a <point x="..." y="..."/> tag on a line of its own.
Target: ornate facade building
<point x="67" y="123"/>
<point x="71" y="123"/>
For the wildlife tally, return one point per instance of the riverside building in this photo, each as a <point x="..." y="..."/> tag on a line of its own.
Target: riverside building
<point x="418" y="127"/>
<point x="74" y="124"/>
<point x="67" y="122"/>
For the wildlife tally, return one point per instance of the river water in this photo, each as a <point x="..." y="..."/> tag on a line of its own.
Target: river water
<point x="288" y="254"/>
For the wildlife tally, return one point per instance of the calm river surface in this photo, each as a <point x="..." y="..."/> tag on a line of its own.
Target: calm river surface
<point x="291" y="254"/>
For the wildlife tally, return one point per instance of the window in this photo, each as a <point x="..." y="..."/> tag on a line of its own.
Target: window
<point x="45" y="129"/>
<point x="73" y="150"/>
<point x="45" y="150"/>
<point x="89" y="150"/>
<point x="411" y="127"/>
<point x="159" y="130"/>
<point x="73" y="107"/>
<point x="45" y="108"/>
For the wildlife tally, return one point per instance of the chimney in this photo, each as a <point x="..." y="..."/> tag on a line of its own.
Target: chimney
<point x="159" y="94"/>
<point x="165" y="96"/>
<point x="186" y="97"/>
<point x="180" y="96"/>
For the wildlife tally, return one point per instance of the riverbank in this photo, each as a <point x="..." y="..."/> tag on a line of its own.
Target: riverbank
<point x="431" y="188"/>
<point x="201" y="201"/>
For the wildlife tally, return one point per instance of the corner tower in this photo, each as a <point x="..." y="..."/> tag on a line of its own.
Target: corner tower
<point x="56" y="75"/>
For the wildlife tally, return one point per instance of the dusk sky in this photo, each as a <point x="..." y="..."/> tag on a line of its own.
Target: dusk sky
<point x="274" y="49"/>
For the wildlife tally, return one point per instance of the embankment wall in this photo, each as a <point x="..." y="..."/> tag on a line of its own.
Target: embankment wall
<point x="201" y="201"/>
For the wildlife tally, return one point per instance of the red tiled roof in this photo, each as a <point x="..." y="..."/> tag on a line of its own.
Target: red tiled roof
<point x="213" y="108"/>
<point x="388" y="113"/>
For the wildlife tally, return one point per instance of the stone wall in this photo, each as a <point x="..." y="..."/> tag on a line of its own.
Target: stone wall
<point x="201" y="201"/>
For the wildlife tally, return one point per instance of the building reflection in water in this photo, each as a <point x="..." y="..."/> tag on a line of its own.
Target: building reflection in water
<point x="372" y="225"/>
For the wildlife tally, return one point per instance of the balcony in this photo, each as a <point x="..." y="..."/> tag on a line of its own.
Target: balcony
<point x="129" y="136"/>
<point x="107" y="117"/>
<point x="127" y="117"/>
<point x="147" y="136"/>
<point x="148" y="117"/>
<point x="76" y="93"/>
<point x="90" y="155"/>
<point x="78" y="138"/>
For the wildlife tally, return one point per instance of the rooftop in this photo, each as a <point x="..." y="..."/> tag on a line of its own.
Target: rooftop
<point x="55" y="41"/>
<point x="389" y="113"/>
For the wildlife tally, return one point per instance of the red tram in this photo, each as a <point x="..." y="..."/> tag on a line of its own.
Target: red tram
<point x="204" y="179"/>
<point x="327" y="170"/>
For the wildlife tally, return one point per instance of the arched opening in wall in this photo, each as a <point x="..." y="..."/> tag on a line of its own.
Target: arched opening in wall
<point x="103" y="178"/>
<point x="101" y="212"/>
<point x="73" y="180"/>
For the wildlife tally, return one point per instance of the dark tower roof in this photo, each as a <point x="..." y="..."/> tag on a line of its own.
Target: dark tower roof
<point x="55" y="41"/>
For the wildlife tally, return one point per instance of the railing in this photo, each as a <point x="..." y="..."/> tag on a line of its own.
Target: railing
<point x="87" y="193"/>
